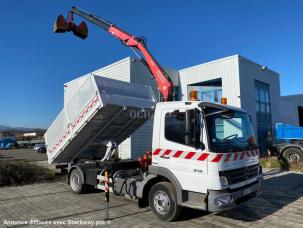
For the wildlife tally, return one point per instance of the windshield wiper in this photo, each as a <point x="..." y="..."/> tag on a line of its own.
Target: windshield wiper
<point x="215" y="113"/>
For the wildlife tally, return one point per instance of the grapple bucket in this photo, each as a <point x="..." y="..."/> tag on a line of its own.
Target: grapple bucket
<point x="81" y="30"/>
<point x="60" y="25"/>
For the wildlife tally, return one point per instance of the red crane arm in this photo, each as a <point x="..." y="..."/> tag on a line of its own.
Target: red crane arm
<point x="164" y="83"/>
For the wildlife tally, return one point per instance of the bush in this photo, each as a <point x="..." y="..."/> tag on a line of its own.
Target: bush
<point x="274" y="162"/>
<point x="22" y="172"/>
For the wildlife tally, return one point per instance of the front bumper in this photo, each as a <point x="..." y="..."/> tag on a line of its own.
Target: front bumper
<point x="238" y="196"/>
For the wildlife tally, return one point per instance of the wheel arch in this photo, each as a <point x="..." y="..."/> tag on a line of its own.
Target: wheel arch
<point x="70" y="171"/>
<point x="284" y="148"/>
<point x="156" y="175"/>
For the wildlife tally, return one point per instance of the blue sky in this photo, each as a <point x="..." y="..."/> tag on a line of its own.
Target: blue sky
<point x="35" y="62"/>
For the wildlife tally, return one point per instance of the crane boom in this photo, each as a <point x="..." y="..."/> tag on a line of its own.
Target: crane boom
<point x="164" y="83"/>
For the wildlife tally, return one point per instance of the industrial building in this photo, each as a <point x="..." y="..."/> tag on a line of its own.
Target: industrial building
<point x="244" y="83"/>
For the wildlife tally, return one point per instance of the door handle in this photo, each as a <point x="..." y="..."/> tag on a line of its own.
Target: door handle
<point x="164" y="157"/>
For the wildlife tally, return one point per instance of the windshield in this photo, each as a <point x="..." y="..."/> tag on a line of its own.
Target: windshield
<point x="230" y="132"/>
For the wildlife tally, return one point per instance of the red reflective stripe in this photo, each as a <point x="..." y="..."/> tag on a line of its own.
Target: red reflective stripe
<point x="257" y="152"/>
<point x="235" y="156"/>
<point x="190" y="155"/>
<point x="248" y="153"/>
<point x="242" y="155"/>
<point x="217" y="158"/>
<point x="227" y="157"/>
<point x="167" y="152"/>
<point x="178" y="153"/>
<point x="157" y="151"/>
<point x="203" y="157"/>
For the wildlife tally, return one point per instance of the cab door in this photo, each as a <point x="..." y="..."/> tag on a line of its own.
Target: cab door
<point x="182" y="147"/>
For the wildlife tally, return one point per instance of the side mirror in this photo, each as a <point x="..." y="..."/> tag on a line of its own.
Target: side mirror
<point x="202" y="146"/>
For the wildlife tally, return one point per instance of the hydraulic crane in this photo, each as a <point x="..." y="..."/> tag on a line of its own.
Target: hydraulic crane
<point x="164" y="83"/>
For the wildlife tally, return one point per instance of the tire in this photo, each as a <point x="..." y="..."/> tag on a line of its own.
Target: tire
<point x="76" y="182"/>
<point x="42" y="150"/>
<point x="293" y="154"/>
<point x="163" y="201"/>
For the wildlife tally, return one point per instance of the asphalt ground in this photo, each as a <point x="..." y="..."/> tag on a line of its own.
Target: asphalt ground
<point x="280" y="205"/>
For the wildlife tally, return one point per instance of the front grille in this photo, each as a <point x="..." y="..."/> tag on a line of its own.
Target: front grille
<point x="238" y="175"/>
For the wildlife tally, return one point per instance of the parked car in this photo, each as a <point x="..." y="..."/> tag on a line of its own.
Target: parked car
<point x="40" y="148"/>
<point x="8" y="144"/>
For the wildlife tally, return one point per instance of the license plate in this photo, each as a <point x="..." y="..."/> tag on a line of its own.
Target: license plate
<point x="247" y="191"/>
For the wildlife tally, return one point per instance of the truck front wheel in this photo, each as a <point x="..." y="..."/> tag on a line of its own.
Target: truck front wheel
<point x="76" y="182"/>
<point x="293" y="154"/>
<point x="163" y="201"/>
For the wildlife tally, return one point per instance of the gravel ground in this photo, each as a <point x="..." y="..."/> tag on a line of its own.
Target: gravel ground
<point x="22" y="154"/>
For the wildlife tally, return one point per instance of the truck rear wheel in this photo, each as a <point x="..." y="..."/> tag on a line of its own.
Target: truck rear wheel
<point x="76" y="182"/>
<point x="293" y="154"/>
<point x="163" y="201"/>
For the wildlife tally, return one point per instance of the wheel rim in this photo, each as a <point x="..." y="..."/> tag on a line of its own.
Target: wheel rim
<point x="75" y="182"/>
<point x="293" y="157"/>
<point x="161" y="202"/>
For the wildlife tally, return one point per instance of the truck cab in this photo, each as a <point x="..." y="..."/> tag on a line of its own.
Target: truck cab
<point x="207" y="152"/>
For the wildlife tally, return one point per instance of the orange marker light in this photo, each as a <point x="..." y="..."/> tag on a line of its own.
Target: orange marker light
<point x="193" y="95"/>
<point x="224" y="100"/>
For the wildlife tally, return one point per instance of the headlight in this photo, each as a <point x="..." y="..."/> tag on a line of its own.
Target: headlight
<point x="224" y="181"/>
<point x="223" y="200"/>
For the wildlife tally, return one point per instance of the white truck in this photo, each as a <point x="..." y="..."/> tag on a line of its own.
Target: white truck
<point x="204" y="155"/>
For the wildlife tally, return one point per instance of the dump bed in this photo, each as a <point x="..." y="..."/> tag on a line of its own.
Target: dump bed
<point x="103" y="110"/>
<point x="288" y="132"/>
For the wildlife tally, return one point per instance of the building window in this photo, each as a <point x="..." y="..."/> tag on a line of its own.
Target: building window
<point x="208" y="91"/>
<point x="263" y="113"/>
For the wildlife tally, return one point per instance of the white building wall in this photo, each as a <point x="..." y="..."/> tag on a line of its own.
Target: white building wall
<point x="249" y="72"/>
<point x="119" y="70"/>
<point x="288" y="109"/>
<point x="238" y="76"/>
<point x="141" y="140"/>
<point x="226" y="69"/>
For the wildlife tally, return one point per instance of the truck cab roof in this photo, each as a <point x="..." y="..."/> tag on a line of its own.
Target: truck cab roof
<point x="192" y="104"/>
